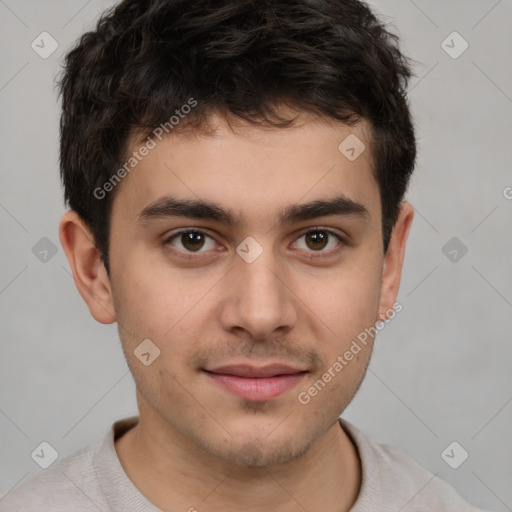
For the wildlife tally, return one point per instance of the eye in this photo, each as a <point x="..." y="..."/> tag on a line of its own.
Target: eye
<point x="316" y="240"/>
<point x="191" y="240"/>
<point x="197" y="241"/>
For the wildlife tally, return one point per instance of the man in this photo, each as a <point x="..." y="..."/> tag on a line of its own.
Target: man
<point x="236" y="174"/>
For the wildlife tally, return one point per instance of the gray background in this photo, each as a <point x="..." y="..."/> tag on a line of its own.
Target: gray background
<point x="441" y="370"/>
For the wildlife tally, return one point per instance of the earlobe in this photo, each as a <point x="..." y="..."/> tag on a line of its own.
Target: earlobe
<point x="88" y="270"/>
<point x="393" y="261"/>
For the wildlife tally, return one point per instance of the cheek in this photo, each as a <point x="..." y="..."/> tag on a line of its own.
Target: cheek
<point x="146" y="305"/>
<point x="344" y="303"/>
<point x="168" y="310"/>
<point x="145" y="294"/>
<point x="328" y="393"/>
<point x="150" y="308"/>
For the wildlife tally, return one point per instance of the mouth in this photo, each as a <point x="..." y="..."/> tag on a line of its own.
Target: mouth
<point x="256" y="383"/>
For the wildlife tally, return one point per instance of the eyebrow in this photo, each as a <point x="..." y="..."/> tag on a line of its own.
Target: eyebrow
<point x="169" y="206"/>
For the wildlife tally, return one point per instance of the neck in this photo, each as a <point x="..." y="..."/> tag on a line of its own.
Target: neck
<point x="176" y="475"/>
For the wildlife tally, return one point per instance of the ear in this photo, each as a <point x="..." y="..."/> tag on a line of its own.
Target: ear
<point x="89" y="273"/>
<point x="393" y="261"/>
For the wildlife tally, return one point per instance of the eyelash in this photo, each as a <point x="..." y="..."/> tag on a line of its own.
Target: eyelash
<point x="315" y="254"/>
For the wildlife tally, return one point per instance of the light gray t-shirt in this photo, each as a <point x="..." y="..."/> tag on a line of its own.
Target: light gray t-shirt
<point x="92" y="479"/>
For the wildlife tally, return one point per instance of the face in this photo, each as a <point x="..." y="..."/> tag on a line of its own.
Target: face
<point x="253" y="297"/>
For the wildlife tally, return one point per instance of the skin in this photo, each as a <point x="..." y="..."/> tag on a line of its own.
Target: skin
<point x="198" y="446"/>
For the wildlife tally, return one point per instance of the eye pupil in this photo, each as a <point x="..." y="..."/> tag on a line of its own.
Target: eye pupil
<point x="192" y="240"/>
<point x="316" y="237"/>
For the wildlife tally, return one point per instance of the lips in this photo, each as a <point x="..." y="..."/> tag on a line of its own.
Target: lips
<point x="256" y="383"/>
<point x="245" y="370"/>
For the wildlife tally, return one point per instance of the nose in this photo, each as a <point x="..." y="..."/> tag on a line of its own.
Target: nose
<point x="259" y="300"/>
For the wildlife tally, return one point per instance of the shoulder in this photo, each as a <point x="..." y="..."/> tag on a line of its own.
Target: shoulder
<point x="392" y="478"/>
<point x="69" y="484"/>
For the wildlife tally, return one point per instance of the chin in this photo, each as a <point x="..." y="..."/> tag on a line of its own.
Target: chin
<point x="260" y="451"/>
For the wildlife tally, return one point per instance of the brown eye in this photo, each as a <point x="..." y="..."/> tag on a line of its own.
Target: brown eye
<point x="318" y="239"/>
<point x="191" y="241"/>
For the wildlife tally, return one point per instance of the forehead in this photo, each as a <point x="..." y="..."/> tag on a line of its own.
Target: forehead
<point x="255" y="171"/>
